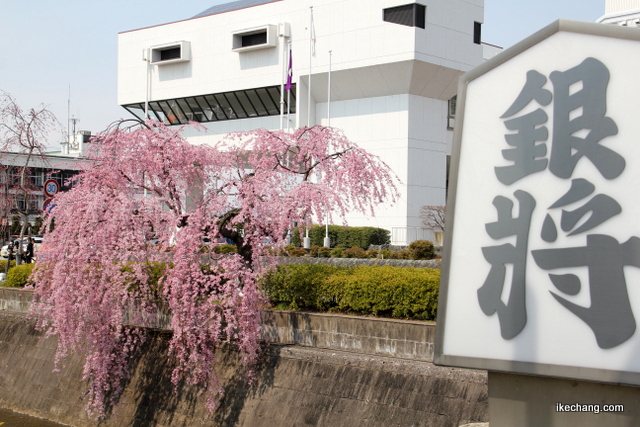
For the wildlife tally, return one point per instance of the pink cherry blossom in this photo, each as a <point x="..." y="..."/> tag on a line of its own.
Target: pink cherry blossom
<point x="145" y="198"/>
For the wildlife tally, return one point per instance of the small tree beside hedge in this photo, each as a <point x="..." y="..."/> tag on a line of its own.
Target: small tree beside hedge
<point x="421" y="249"/>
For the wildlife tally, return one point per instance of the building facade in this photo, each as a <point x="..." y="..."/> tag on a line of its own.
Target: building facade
<point x="625" y="13"/>
<point x="383" y="71"/>
<point x="30" y="199"/>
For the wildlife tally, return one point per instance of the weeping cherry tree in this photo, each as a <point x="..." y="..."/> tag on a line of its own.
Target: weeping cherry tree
<point x="145" y="202"/>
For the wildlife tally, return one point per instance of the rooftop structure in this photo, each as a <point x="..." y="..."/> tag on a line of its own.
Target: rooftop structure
<point x="625" y="13"/>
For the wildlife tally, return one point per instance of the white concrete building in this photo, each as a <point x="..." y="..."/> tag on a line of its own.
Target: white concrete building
<point x="40" y="168"/>
<point x="625" y="13"/>
<point x="394" y="68"/>
<point x="75" y="146"/>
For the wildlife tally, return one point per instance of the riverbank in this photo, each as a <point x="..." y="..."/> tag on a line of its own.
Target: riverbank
<point x="320" y="370"/>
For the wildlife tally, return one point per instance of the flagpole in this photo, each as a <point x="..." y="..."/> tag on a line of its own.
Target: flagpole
<point x="307" y="240"/>
<point x="327" y="241"/>
<point x="329" y="94"/>
<point x="289" y="69"/>
<point x="284" y="74"/>
<point x="310" y="54"/>
<point x="147" y="59"/>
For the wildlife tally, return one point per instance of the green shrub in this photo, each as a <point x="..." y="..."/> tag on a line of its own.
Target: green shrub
<point x="3" y="265"/>
<point x="372" y="253"/>
<point x="18" y="276"/>
<point x="410" y="293"/>
<point x="399" y="255"/>
<point x="347" y="237"/>
<point x="296" y="286"/>
<point x="225" y="249"/>
<point x="354" y="253"/>
<point x="336" y="252"/>
<point x="319" y="252"/>
<point x="297" y="252"/>
<point x="324" y="252"/>
<point x="421" y="249"/>
<point x="313" y="251"/>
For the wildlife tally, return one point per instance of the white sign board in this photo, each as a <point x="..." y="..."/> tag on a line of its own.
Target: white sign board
<point x="541" y="273"/>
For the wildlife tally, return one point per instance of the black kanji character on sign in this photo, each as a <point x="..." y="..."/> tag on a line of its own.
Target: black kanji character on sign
<point x="527" y="155"/>
<point x="609" y="316"/>
<point x="589" y="82"/>
<point x="597" y="210"/>
<point x="513" y="314"/>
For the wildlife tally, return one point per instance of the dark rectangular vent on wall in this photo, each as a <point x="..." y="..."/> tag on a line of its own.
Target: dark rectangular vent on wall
<point x="167" y="54"/>
<point x="254" y="39"/>
<point x="170" y="53"/>
<point x="411" y="15"/>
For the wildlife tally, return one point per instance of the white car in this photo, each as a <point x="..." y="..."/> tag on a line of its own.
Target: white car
<point x="37" y="240"/>
<point x="4" y="252"/>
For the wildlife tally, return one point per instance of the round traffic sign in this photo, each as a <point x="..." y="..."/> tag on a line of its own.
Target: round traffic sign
<point x="48" y="205"/>
<point x="51" y="187"/>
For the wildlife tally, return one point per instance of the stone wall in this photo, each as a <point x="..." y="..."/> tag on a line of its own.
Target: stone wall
<point x="320" y="370"/>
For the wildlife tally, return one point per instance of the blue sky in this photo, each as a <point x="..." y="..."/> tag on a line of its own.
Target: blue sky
<point x="48" y="46"/>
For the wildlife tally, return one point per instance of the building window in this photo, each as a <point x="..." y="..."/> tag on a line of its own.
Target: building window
<point x="477" y="33"/>
<point x="171" y="52"/>
<point x="448" y="167"/>
<point x="64" y="178"/>
<point x="411" y="15"/>
<point x="255" y="38"/>
<point x="37" y="176"/>
<point x="451" y="113"/>
<point x="240" y="104"/>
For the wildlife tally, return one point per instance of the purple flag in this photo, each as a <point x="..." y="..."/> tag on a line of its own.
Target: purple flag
<point x="290" y="70"/>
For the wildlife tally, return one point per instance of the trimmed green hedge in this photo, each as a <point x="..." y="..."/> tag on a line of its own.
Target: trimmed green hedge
<point x="225" y="249"/>
<point x="344" y="237"/>
<point x="298" y="287"/>
<point x="400" y="292"/>
<point x="3" y="265"/>
<point x="18" y="276"/>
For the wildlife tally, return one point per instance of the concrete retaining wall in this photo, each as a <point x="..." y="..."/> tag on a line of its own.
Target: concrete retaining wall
<point x="373" y="336"/>
<point x="317" y="385"/>
<point x="14" y="299"/>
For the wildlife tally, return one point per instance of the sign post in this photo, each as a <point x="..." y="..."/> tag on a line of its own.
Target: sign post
<point x="51" y="188"/>
<point x="541" y="272"/>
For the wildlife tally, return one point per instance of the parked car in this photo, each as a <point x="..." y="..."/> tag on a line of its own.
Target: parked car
<point x="4" y="251"/>
<point x="37" y="242"/>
